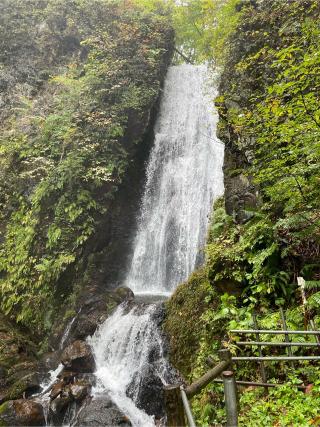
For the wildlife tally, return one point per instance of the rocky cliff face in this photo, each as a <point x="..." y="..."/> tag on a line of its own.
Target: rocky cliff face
<point x="264" y="26"/>
<point x="80" y="83"/>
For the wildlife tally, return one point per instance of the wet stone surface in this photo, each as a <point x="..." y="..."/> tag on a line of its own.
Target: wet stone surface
<point x="102" y="412"/>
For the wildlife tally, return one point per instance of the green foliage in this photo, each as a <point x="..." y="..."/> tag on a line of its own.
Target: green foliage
<point x="247" y="256"/>
<point x="287" y="129"/>
<point x="65" y="151"/>
<point x="276" y="61"/>
<point x="285" y="406"/>
<point x="203" y="28"/>
<point x="230" y="313"/>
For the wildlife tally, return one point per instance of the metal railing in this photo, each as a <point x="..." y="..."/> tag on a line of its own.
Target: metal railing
<point x="287" y="344"/>
<point x="176" y="396"/>
<point x="187" y="408"/>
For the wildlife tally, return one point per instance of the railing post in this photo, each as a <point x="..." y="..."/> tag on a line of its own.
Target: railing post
<point x="187" y="408"/>
<point x="261" y="364"/>
<point x="174" y="406"/>
<point x="301" y="284"/>
<point x="231" y="400"/>
<point x="286" y="336"/>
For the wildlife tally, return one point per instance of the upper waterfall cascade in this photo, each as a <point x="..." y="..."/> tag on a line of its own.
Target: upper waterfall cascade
<point x="184" y="176"/>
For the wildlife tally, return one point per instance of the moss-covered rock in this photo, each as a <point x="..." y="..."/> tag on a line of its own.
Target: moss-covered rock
<point x="183" y="324"/>
<point x="21" y="413"/>
<point x="25" y="386"/>
<point x="18" y="362"/>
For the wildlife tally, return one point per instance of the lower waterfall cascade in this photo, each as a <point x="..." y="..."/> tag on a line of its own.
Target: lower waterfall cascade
<point x="184" y="177"/>
<point x="122" y="348"/>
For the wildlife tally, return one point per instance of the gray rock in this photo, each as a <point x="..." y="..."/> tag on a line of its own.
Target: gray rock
<point x="101" y="412"/>
<point x="58" y="408"/>
<point x="78" y="357"/>
<point x="50" y="361"/>
<point x="150" y="396"/>
<point x="95" y="310"/>
<point x="79" y="391"/>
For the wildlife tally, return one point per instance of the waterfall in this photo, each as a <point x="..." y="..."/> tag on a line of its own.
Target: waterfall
<point x="184" y="176"/>
<point x="124" y="346"/>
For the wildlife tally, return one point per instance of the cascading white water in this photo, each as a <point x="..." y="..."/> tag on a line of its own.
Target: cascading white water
<point x="122" y="347"/>
<point x="184" y="176"/>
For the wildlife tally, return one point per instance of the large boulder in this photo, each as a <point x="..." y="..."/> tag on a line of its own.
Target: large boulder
<point x="102" y="412"/>
<point x="21" y="412"/>
<point x="95" y="310"/>
<point x="66" y="397"/>
<point x="78" y="357"/>
<point x="58" y="408"/>
<point x="147" y="391"/>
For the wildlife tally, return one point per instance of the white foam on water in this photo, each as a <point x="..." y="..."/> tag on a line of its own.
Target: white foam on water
<point x="121" y="347"/>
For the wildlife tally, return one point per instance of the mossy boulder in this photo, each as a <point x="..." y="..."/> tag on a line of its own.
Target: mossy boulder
<point x="183" y="323"/>
<point x="21" y="412"/>
<point x="24" y="387"/>
<point x="121" y="294"/>
<point x="18" y="362"/>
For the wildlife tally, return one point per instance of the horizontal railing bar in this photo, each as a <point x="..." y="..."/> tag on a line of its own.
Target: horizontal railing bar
<point x="258" y="358"/>
<point x="187" y="408"/>
<point x="278" y="344"/>
<point x="275" y="332"/>
<point x="256" y="384"/>
<point x="203" y="381"/>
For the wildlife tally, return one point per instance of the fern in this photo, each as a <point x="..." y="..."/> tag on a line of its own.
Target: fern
<point x="312" y="284"/>
<point x="313" y="301"/>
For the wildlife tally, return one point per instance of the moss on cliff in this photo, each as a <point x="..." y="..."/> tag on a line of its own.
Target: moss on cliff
<point x="183" y="322"/>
